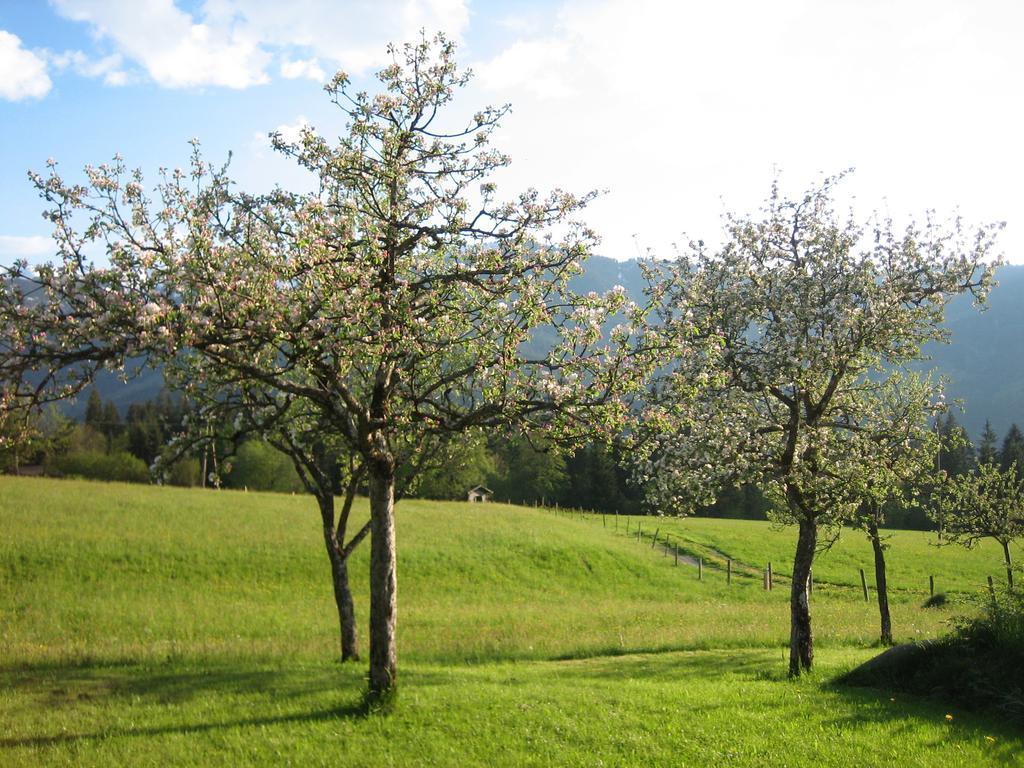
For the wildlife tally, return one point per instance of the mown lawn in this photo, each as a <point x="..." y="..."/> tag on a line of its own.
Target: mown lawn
<point x="144" y="625"/>
<point x="681" y="708"/>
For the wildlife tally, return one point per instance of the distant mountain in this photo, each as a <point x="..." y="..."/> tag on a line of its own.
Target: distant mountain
<point x="984" y="360"/>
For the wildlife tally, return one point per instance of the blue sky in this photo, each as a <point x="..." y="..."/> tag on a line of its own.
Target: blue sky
<point x="679" y="110"/>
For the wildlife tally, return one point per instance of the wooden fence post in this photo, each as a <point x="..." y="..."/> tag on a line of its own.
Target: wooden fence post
<point x="931" y="586"/>
<point x="676" y="548"/>
<point x="771" y="581"/>
<point x="700" y="569"/>
<point x="864" y="584"/>
<point x="655" y="539"/>
<point x="728" y="571"/>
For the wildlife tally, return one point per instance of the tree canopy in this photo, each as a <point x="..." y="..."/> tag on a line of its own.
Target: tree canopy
<point x="784" y="341"/>
<point x="988" y="503"/>
<point x="394" y="301"/>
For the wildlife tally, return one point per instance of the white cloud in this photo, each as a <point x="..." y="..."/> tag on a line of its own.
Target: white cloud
<point x="18" y="247"/>
<point x="351" y="35"/>
<point x="678" y="107"/>
<point x="290" y="132"/>
<point x="302" y="68"/>
<point x="231" y="42"/>
<point x="22" y="72"/>
<point x="107" y="67"/>
<point x="293" y="132"/>
<point x="537" y="66"/>
<point x="173" y="49"/>
<point x="117" y="78"/>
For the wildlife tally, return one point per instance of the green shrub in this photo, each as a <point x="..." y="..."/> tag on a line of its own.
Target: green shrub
<point x="259" y="466"/>
<point x="980" y="665"/>
<point x="186" y="473"/>
<point x="1000" y="626"/>
<point x="991" y="647"/>
<point x="120" y="466"/>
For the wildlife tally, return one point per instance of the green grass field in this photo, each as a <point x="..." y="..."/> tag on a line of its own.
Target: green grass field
<point x="143" y="625"/>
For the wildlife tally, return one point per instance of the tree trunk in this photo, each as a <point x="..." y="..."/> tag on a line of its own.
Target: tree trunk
<point x="339" y="577"/>
<point x="346" y="614"/>
<point x="1009" y="564"/>
<point x="881" y="587"/>
<point x="801" y="642"/>
<point x="383" y="583"/>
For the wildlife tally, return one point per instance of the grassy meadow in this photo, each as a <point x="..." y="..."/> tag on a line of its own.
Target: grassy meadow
<point x="143" y="625"/>
<point x="911" y="556"/>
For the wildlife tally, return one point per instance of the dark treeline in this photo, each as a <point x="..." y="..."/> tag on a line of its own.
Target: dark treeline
<point x="108" y="446"/>
<point x="105" y="445"/>
<point x="521" y="471"/>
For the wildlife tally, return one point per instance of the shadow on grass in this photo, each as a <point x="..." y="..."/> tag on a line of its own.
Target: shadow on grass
<point x="309" y="686"/>
<point x="614" y="651"/>
<point x="671" y="665"/>
<point x="351" y="712"/>
<point x="899" y="713"/>
<point x="170" y="686"/>
<point x="903" y="712"/>
<point x="55" y="688"/>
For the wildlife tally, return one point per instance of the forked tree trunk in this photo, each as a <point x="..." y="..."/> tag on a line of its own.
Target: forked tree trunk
<point x="383" y="583"/>
<point x="881" y="586"/>
<point x="1009" y="563"/>
<point x="801" y="642"/>
<point x="339" y="578"/>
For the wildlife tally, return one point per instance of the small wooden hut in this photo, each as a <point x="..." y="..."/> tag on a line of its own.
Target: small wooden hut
<point x="479" y="493"/>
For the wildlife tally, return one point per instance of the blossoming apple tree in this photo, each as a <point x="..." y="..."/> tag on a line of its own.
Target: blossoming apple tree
<point x="987" y="503"/>
<point x="806" y="316"/>
<point x="901" y="413"/>
<point x="396" y="300"/>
